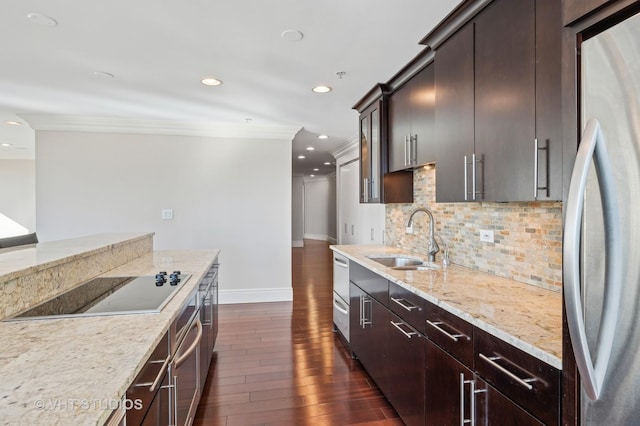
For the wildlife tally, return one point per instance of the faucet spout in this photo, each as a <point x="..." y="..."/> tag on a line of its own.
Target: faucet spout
<point x="433" y="246"/>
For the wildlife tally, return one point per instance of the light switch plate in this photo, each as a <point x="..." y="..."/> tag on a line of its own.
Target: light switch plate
<point x="167" y="214"/>
<point x="486" y="236"/>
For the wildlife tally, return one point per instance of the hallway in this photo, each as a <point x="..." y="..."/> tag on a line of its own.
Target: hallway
<point x="281" y="364"/>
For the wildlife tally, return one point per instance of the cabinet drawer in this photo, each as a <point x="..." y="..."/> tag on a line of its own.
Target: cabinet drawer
<point x="407" y="305"/>
<point x="375" y="285"/>
<point x="450" y="332"/>
<point x="154" y="369"/>
<point x="532" y="383"/>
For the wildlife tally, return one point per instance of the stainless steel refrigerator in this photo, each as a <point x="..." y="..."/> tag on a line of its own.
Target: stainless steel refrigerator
<point x="602" y="229"/>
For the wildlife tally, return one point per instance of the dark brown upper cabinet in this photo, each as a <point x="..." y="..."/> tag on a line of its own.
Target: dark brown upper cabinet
<point x="411" y="122"/>
<point x="375" y="187"/>
<point x="573" y="10"/>
<point x="498" y="105"/>
<point x="454" y="117"/>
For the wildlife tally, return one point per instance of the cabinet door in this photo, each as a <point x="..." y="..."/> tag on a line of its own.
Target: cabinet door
<point x="448" y="388"/>
<point x="454" y="114"/>
<point x="423" y="116"/>
<point x="548" y="185"/>
<point x="406" y="371"/>
<point x="399" y="128"/>
<point x="369" y="334"/>
<point x="505" y="96"/>
<point x="493" y="408"/>
<point x="371" y="132"/>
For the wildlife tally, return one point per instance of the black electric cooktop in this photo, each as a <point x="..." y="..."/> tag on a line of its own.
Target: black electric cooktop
<point x="111" y="295"/>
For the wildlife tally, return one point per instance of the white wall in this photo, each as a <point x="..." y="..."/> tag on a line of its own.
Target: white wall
<point x="319" y="208"/>
<point x="297" y="212"/>
<point x="231" y="194"/>
<point x="357" y="223"/>
<point x="17" y="197"/>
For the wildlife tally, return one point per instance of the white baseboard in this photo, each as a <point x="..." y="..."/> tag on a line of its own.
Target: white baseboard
<point x="321" y="238"/>
<point x="297" y="243"/>
<point x="228" y="297"/>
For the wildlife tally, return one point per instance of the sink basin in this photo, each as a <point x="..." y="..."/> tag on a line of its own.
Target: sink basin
<point x="423" y="267"/>
<point x="397" y="261"/>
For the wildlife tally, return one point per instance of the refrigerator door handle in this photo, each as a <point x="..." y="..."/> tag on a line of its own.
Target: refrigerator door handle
<point x="591" y="147"/>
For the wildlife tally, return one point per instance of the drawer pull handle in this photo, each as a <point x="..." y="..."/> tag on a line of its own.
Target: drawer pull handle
<point x="524" y="382"/>
<point x="340" y="262"/>
<point x="437" y="325"/>
<point x="405" y="305"/>
<point x="397" y="325"/>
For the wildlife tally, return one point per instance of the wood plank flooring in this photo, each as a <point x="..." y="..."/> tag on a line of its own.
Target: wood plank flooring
<point x="282" y="364"/>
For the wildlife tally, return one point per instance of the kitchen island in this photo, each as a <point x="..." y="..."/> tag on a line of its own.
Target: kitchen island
<point x="64" y="371"/>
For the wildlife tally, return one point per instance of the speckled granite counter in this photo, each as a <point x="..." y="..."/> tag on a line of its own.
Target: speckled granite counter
<point x="37" y="272"/>
<point x="68" y="371"/>
<point x="528" y="317"/>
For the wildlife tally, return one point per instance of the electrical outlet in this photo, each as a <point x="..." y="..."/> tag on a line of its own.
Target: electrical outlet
<point x="486" y="236"/>
<point x="408" y="229"/>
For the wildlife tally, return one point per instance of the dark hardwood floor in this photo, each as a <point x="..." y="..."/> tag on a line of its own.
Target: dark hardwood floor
<point x="281" y="364"/>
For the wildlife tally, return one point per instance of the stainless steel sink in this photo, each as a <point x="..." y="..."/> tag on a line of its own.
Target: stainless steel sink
<point x="396" y="261"/>
<point x="404" y="263"/>
<point x="423" y="267"/>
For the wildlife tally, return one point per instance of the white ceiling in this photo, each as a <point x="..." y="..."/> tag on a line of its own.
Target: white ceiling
<point x="159" y="50"/>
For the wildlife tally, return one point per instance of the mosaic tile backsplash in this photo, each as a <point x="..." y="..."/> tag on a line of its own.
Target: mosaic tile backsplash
<point x="527" y="243"/>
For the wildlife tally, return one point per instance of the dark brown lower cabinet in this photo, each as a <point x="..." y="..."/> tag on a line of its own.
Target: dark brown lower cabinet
<point x="455" y="395"/>
<point x="405" y="363"/>
<point x="369" y="335"/>
<point x="493" y="408"/>
<point x="447" y="390"/>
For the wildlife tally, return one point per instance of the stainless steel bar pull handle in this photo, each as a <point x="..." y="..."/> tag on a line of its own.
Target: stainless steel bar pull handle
<point x="406" y="150"/>
<point x="366" y="190"/>
<point x="404" y="304"/>
<point x="536" y="153"/>
<point x="437" y="325"/>
<point x="466" y="177"/>
<point x="592" y="146"/>
<point x="492" y="361"/>
<point x="473" y="176"/>
<point x="182" y="358"/>
<point x="472" y="406"/>
<point x="398" y="324"/>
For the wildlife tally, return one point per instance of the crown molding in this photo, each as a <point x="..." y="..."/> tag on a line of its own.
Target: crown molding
<point x="69" y="123"/>
<point x="352" y="144"/>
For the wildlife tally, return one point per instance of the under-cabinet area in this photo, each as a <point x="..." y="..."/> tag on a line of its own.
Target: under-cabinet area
<point x="449" y="345"/>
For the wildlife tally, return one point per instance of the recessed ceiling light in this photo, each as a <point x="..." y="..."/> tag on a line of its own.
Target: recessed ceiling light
<point x="327" y="163"/>
<point x="323" y="137"/>
<point x="322" y="89"/>
<point x="312" y="175"/>
<point x="42" y="19"/>
<point x="210" y="81"/>
<point x="13" y="123"/>
<point x="102" y="74"/>
<point x="291" y="35"/>
<point x="6" y="145"/>
<point x="301" y="157"/>
<point x="310" y="148"/>
<point x="315" y="170"/>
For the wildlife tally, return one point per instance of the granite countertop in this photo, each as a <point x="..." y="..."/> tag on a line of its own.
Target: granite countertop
<point x="526" y="316"/>
<point x="75" y="370"/>
<point x="20" y="260"/>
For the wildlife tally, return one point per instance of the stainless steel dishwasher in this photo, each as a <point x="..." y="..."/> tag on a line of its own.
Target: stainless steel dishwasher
<point x="341" y="294"/>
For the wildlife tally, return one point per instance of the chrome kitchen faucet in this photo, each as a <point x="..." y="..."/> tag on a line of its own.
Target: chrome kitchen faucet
<point x="433" y="246"/>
